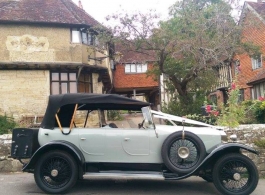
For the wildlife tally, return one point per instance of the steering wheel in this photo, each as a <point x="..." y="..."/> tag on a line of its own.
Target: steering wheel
<point x="141" y="125"/>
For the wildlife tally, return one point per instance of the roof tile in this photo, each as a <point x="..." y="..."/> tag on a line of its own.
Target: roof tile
<point x="258" y="77"/>
<point x="44" y="11"/>
<point x="259" y="7"/>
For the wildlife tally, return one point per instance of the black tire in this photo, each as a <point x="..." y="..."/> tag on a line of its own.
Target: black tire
<point x="171" y="147"/>
<point x="228" y="172"/>
<point x="64" y="168"/>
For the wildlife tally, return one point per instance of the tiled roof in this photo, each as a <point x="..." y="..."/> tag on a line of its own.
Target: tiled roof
<point x="130" y="56"/>
<point x="258" y="77"/>
<point x="259" y="7"/>
<point x="44" y="11"/>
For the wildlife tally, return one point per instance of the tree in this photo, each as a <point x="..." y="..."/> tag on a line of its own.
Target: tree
<point x="200" y="35"/>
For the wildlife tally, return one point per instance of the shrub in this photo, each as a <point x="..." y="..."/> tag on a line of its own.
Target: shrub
<point x="211" y="119"/>
<point x="178" y="106"/>
<point x="250" y="116"/>
<point x="259" y="110"/>
<point x="6" y="124"/>
<point x="114" y="115"/>
<point x="232" y="113"/>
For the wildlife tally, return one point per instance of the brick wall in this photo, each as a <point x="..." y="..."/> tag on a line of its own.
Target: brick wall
<point x="130" y="80"/>
<point x="24" y="92"/>
<point x="255" y="33"/>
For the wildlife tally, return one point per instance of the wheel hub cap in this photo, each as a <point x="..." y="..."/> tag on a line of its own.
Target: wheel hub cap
<point x="183" y="152"/>
<point x="236" y="176"/>
<point x="54" y="173"/>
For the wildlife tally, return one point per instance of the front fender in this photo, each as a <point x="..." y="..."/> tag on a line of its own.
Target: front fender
<point x="217" y="152"/>
<point x="56" y="145"/>
<point x="226" y="148"/>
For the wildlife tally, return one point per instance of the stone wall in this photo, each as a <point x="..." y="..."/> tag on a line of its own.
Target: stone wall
<point x="37" y="43"/>
<point x="246" y="134"/>
<point x="7" y="164"/>
<point x="24" y="92"/>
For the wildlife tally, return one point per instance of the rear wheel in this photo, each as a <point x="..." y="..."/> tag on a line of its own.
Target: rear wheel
<point x="56" y="172"/>
<point x="235" y="174"/>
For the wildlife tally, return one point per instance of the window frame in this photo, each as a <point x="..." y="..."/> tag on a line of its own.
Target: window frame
<point x="256" y="63"/>
<point x="257" y="90"/>
<point x="72" y="34"/>
<point x="61" y="82"/>
<point x="135" y="70"/>
<point x="89" y="36"/>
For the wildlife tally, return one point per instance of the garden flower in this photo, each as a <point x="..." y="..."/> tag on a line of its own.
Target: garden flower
<point x="215" y="112"/>
<point x="208" y="108"/>
<point x="233" y="86"/>
<point x="261" y="98"/>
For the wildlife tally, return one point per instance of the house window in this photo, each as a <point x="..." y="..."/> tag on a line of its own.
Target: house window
<point x="63" y="82"/>
<point x="82" y="36"/>
<point x="135" y="68"/>
<point x="256" y="62"/>
<point x="258" y="90"/>
<point x="85" y="83"/>
<point x="76" y="36"/>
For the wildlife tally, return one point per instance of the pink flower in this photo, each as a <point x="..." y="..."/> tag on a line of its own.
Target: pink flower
<point x="261" y="98"/>
<point x="215" y="113"/>
<point x="233" y="86"/>
<point x="208" y="108"/>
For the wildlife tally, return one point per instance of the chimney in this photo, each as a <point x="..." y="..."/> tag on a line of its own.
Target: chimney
<point x="80" y="4"/>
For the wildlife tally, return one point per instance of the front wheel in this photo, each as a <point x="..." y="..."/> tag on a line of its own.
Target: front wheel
<point x="56" y="172"/>
<point x="235" y="174"/>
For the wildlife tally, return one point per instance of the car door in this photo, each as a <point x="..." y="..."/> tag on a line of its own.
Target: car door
<point x="92" y="142"/>
<point x="135" y="142"/>
<point x="126" y="145"/>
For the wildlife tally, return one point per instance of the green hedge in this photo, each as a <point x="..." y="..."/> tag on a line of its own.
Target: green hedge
<point x="6" y="124"/>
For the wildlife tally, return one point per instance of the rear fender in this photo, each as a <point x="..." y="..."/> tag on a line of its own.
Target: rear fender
<point x="57" y="145"/>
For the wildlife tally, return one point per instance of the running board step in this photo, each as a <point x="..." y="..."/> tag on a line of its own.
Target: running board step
<point x="126" y="175"/>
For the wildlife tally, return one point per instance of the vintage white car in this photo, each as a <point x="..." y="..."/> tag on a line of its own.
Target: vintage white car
<point x="75" y="140"/>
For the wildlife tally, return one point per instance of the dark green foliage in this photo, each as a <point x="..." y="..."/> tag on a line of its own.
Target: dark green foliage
<point x="177" y="107"/>
<point x="6" y="124"/>
<point x="255" y="111"/>
<point x="250" y="117"/>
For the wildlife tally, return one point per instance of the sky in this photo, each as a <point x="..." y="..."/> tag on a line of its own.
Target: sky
<point x="99" y="9"/>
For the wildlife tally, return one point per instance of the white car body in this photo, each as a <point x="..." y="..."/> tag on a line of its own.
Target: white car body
<point x="60" y="152"/>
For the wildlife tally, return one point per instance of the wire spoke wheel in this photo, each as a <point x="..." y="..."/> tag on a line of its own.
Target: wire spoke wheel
<point x="55" y="172"/>
<point x="235" y="174"/>
<point x="183" y="153"/>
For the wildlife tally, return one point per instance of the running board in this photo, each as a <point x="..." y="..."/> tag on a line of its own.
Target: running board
<point x="126" y="175"/>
